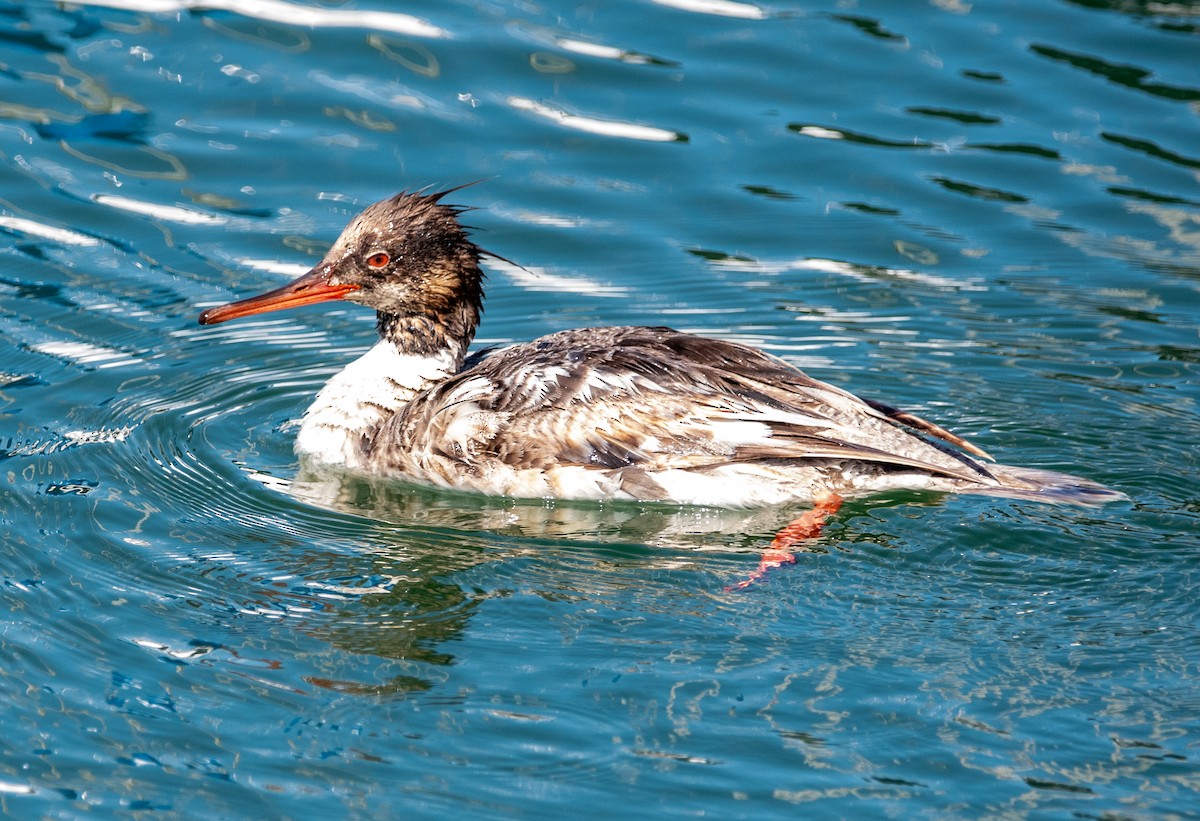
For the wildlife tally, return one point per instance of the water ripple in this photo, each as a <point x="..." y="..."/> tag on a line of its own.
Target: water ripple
<point x="538" y="279"/>
<point x="915" y="203"/>
<point x="296" y="14"/>
<point x="720" y="8"/>
<point x="594" y="125"/>
<point x="40" y="230"/>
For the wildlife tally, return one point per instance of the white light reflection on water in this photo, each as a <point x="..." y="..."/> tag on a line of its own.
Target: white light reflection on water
<point x="847" y="269"/>
<point x="720" y="8"/>
<point x="87" y="353"/>
<point x="296" y="14"/>
<point x="197" y="626"/>
<point x="539" y="279"/>
<point x="33" y="228"/>
<point x="170" y="213"/>
<point x="595" y="125"/>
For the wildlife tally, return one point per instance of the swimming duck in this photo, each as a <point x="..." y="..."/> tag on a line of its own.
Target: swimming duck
<point x="639" y="413"/>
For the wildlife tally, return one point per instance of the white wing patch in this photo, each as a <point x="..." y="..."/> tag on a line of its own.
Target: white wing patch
<point x="606" y="381"/>
<point x="469" y="390"/>
<point x="736" y="433"/>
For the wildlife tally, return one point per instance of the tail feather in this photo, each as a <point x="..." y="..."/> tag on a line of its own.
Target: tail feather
<point x="1047" y="486"/>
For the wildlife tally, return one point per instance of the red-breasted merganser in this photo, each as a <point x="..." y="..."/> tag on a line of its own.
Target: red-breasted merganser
<point x="637" y="413"/>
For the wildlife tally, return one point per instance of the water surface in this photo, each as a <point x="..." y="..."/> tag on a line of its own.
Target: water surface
<point x="986" y="213"/>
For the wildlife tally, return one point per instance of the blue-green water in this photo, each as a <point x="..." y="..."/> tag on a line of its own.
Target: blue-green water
<point x="985" y="212"/>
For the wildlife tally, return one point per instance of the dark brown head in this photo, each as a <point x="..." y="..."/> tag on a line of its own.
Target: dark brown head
<point x="409" y="259"/>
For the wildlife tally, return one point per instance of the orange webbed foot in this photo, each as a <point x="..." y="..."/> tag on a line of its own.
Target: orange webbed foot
<point x="779" y="553"/>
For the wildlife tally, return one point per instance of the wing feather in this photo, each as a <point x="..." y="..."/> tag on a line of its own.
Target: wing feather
<point x="656" y="399"/>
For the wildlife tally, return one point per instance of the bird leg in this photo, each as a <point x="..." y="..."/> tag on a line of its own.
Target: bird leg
<point x="779" y="552"/>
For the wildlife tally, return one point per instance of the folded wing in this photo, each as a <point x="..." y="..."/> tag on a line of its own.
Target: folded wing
<point x="657" y="399"/>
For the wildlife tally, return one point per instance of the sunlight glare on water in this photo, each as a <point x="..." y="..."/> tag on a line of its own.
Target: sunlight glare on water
<point x="987" y="214"/>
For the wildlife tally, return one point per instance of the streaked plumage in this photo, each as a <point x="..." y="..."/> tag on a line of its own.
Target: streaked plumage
<point x="596" y="413"/>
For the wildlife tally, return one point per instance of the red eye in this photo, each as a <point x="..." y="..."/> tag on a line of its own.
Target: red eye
<point x="378" y="260"/>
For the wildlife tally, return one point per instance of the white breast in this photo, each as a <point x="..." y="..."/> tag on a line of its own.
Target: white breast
<point x="356" y="401"/>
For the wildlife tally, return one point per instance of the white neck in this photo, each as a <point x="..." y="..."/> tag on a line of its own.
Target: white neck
<point x="369" y="390"/>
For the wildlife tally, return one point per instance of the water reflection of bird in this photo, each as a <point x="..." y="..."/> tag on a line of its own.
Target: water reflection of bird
<point x="639" y="413"/>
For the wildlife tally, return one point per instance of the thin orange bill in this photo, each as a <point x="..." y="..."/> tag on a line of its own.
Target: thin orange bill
<point x="309" y="289"/>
